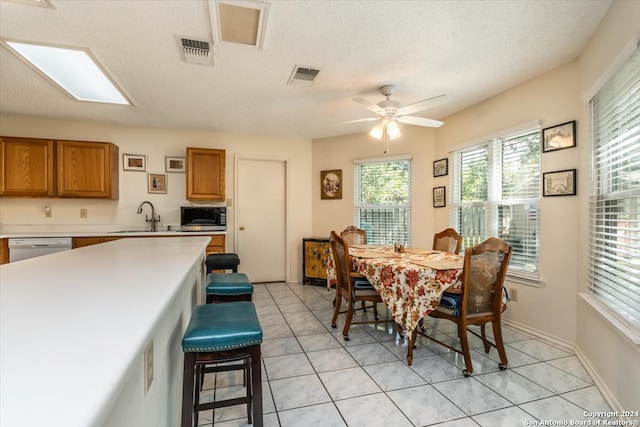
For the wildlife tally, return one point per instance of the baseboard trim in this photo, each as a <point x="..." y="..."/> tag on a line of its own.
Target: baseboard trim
<point x="602" y="387"/>
<point x="540" y="334"/>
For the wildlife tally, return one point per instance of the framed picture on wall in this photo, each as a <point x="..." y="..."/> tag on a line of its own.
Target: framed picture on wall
<point x="175" y="164"/>
<point x="134" y="162"/>
<point x="559" y="183"/>
<point x="559" y="137"/>
<point x="439" y="197"/>
<point x="441" y="167"/>
<point x="331" y="184"/>
<point x="157" y="183"/>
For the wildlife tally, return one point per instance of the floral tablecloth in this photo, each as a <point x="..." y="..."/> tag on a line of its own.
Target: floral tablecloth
<point x="410" y="283"/>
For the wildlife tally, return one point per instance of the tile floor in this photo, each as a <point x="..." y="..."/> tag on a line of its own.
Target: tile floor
<point x="313" y="377"/>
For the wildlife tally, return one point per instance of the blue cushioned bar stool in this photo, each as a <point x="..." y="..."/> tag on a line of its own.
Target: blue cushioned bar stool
<point x="221" y="333"/>
<point x="227" y="287"/>
<point x="226" y="261"/>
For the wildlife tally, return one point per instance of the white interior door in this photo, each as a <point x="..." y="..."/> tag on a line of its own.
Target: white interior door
<point x="260" y="219"/>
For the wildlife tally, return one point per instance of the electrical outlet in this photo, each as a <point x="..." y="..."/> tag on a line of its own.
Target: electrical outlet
<point x="148" y="366"/>
<point x="229" y="203"/>
<point x="513" y="294"/>
<point x="48" y="212"/>
<point x="83" y="213"/>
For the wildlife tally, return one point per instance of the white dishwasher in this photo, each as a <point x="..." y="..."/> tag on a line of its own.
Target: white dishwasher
<point x="20" y="249"/>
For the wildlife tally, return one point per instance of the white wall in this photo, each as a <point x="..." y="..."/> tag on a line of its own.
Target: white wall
<point x="554" y="309"/>
<point x="27" y="213"/>
<point x="550" y="99"/>
<point x="340" y="152"/>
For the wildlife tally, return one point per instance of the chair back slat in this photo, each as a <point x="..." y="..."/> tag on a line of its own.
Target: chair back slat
<point x="353" y="235"/>
<point x="448" y="241"/>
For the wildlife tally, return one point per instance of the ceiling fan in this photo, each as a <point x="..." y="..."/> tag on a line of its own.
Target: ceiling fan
<point x="389" y="113"/>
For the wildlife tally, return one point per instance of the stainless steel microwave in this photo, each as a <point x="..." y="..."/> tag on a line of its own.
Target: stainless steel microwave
<point x="194" y="218"/>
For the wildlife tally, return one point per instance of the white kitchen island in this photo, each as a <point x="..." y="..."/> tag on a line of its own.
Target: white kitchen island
<point x="74" y="327"/>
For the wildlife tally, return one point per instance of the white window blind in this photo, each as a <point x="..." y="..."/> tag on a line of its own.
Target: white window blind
<point x="496" y="192"/>
<point x="382" y="200"/>
<point x="614" y="203"/>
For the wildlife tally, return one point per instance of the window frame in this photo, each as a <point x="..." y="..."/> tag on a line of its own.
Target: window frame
<point x="494" y="198"/>
<point x="357" y="206"/>
<point x="611" y="237"/>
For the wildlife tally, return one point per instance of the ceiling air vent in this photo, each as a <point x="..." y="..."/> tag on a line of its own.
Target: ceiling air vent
<point x="240" y="22"/>
<point x="303" y="75"/>
<point x="196" y="51"/>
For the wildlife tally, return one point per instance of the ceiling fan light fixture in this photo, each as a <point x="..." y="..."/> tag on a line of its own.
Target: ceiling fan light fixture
<point x="393" y="130"/>
<point x="377" y="131"/>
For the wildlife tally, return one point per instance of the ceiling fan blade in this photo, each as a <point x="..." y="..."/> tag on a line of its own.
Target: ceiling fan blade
<point x="420" y="121"/>
<point x="366" y="104"/>
<point x="369" y="119"/>
<point x="422" y="105"/>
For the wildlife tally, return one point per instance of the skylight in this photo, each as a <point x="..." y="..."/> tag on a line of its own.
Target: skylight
<point x="73" y="70"/>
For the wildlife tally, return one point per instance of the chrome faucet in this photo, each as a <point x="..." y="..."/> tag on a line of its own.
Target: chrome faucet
<point x="153" y="219"/>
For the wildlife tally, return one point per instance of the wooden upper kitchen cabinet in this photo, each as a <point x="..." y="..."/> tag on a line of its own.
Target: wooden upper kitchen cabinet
<point x="27" y="167"/>
<point x="87" y="169"/>
<point x="32" y="167"/>
<point x="205" y="174"/>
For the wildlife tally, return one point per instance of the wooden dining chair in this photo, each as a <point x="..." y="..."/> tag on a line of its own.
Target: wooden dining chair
<point x="448" y="241"/>
<point x="480" y="301"/>
<point x="354" y="235"/>
<point x="350" y="286"/>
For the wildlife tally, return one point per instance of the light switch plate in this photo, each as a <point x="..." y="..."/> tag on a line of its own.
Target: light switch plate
<point x="148" y="366"/>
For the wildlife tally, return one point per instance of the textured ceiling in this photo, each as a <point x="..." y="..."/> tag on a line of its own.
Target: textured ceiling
<point x="469" y="50"/>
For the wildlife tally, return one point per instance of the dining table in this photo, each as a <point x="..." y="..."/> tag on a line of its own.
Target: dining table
<point x="410" y="281"/>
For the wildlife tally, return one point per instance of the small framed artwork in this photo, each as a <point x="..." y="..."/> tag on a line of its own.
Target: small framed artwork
<point x="559" y="137"/>
<point x="174" y="164"/>
<point x="439" y="197"/>
<point x="331" y="184"/>
<point x="134" y="162"/>
<point x="157" y="183"/>
<point x="559" y="183"/>
<point x="441" y="167"/>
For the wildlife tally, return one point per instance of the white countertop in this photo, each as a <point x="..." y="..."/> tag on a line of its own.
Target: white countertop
<point x="72" y="323"/>
<point x="122" y="232"/>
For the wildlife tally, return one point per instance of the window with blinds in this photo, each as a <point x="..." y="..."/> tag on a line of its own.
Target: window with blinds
<point x="382" y="200"/>
<point x="496" y="192"/>
<point x="614" y="202"/>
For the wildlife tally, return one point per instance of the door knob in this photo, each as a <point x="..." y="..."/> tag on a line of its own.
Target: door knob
<point x="241" y="228"/>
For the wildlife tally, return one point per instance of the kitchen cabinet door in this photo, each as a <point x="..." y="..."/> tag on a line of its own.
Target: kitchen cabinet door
<point x="205" y="174"/>
<point x="87" y="169"/>
<point x="80" y="242"/>
<point x="216" y="244"/>
<point x="4" y="251"/>
<point x="26" y="167"/>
